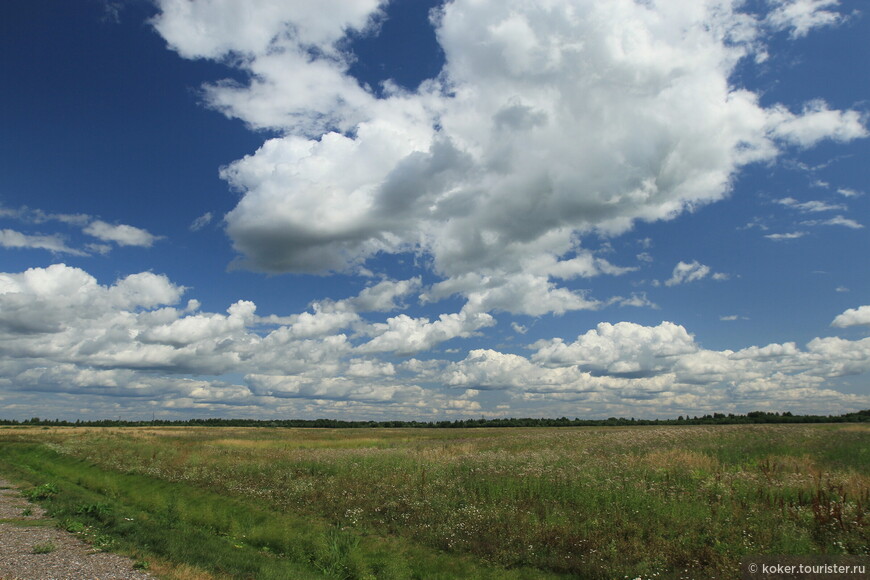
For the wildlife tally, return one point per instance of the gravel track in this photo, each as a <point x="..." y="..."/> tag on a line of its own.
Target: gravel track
<point x="71" y="558"/>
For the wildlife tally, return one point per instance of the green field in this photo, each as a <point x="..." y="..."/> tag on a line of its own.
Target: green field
<point x="650" y="502"/>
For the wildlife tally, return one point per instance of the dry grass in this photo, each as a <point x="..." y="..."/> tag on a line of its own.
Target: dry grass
<point x="171" y="571"/>
<point x="675" y="459"/>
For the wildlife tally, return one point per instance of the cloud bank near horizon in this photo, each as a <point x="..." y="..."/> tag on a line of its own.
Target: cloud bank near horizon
<point x="63" y="333"/>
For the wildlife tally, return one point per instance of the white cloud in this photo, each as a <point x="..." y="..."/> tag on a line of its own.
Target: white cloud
<point x="815" y="123"/>
<point x="489" y="369"/>
<point x="53" y="243"/>
<point x="842" y="221"/>
<point x="290" y="50"/>
<point x="801" y="16"/>
<point x="516" y="293"/>
<point x="637" y="299"/>
<point x="519" y="328"/>
<point x="404" y="335"/>
<point x="201" y="221"/>
<point x="809" y="206"/>
<point x="481" y="169"/>
<point x="629" y="366"/>
<point x="121" y="234"/>
<point x="198" y="328"/>
<point x="143" y="290"/>
<point x="848" y="192"/>
<point x="685" y="272"/>
<point x="834" y="221"/>
<point x="101" y="249"/>
<point x="853" y="317"/>
<point x="62" y="332"/>
<point x="622" y="348"/>
<point x="382" y="296"/>
<point x="218" y="28"/>
<point x="68" y="303"/>
<point x="783" y="237"/>
<point x="37" y="216"/>
<point x="327" y="319"/>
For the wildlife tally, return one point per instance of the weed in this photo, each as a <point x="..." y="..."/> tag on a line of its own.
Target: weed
<point x="44" y="548"/>
<point x="97" y="510"/>
<point x="41" y="492"/>
<point x="104" y="542"/>
<point x="335" y="557"/>
<point x="74" y="526"/>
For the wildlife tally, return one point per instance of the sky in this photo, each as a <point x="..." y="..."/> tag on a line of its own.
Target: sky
<point x="427" y="210"/>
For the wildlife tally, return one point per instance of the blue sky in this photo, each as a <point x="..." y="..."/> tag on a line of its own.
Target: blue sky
<point x="428" y="210"/>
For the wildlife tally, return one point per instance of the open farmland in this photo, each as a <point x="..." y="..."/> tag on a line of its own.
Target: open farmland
<point x="652" y="502"/>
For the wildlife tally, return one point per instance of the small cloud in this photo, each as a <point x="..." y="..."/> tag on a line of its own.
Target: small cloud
<point x="685" y="272"/>
<point x="721" y="276"/>
<point x="6" y="212"/>
<point x="835" y="221"/>
<point x="638" y="300"/>
<point x="842" y="221"/>
<point x="101" y="249"/>
<point x="112" y="11"/>
<point x="644" y="257"/>
<point x="809" y="206"/>
<point x="201" y="221"/>
<point x="755" y="223"/>
<point x="732" y="317"/>
<point x="519" y="328"/>
<point x="801" y="16"/>
<point x="853" y="317"/>
<point x="38" y="216"/>
<point x="783" y="237"/>
<point x="815" y="123"/>
<point x="842" y="289"/>
<point x="847" y="192"/>
<point x="52" y="243"/>
<point x="123" y="235"/>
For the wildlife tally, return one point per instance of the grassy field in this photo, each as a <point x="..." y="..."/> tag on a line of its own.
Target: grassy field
<point x="650" y="502"/>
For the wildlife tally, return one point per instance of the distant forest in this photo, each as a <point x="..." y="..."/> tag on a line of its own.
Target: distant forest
<point x="714" y="419"/>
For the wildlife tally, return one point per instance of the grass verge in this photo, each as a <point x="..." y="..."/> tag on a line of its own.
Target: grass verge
<point x="198" y="530"/>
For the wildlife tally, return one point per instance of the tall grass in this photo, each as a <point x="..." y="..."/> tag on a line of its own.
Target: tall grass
<point x="591" y="503"/>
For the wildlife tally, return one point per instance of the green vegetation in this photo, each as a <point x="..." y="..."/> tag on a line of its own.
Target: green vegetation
<point x="45" y="548"/>
<point x="652" y="502"/>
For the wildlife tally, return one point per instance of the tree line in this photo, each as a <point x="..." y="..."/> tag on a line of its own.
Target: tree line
<point x="714" y="419"/>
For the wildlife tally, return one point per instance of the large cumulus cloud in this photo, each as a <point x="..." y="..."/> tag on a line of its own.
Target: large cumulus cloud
<point x="548" y="121"/>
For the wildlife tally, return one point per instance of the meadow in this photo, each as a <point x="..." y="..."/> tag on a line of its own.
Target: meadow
<point x="611" y="502"/>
